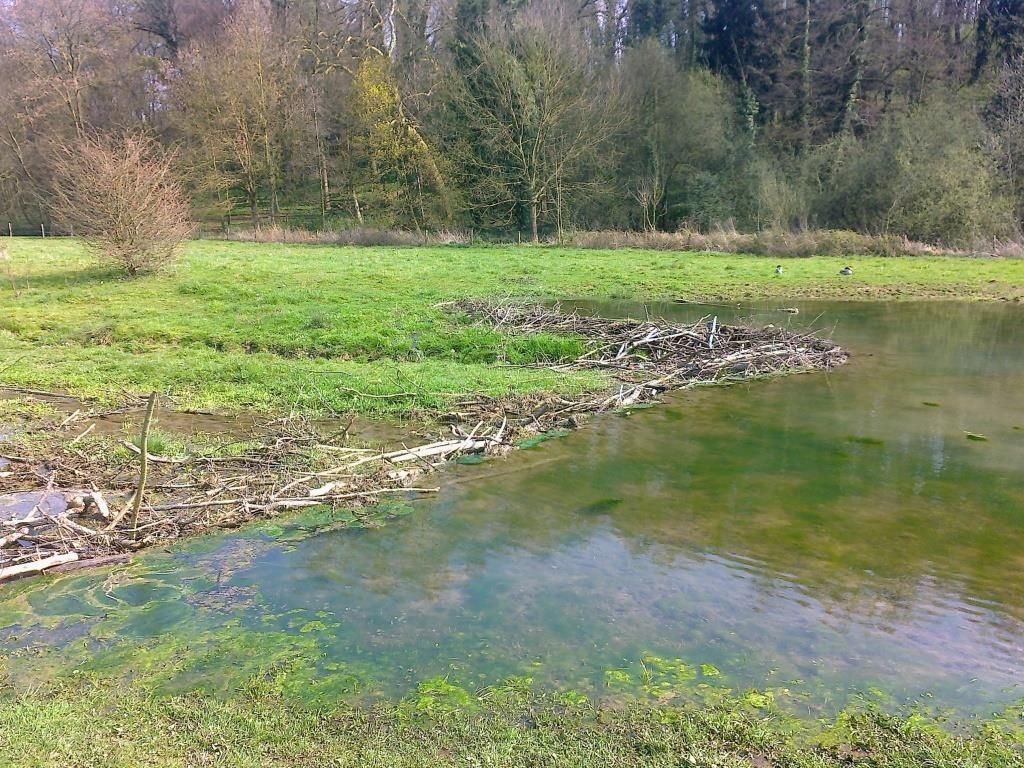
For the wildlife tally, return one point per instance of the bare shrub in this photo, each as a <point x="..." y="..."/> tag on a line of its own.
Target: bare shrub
<point x="121" y="197"/>
<point x="770" y="242"/>
<point x="717" y="240"/>
<point x="1008" y="249"/>
<point x="780" y="242"/>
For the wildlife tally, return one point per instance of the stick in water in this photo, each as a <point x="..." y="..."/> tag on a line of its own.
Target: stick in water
<point x="143" y="462"/>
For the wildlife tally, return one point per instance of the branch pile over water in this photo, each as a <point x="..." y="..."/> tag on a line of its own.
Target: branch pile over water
<point x="59" y="526"/>
<point x="652" y="356"/>
<point x="77" y="496"/>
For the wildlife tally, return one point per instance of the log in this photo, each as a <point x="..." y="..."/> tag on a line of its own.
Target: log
<point x="91" y="562"/>
<point x="30" y="520"/>
<point x="299" y="503"/>
<point x="37" y="566"/>
<point x="10" y="538"/>
<point x="442" y="448"/>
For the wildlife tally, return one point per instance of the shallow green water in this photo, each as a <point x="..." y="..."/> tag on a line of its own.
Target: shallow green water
<point x="819" y="536"/>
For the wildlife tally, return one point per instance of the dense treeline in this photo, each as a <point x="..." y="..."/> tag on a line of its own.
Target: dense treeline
<point x="883" y="116"/>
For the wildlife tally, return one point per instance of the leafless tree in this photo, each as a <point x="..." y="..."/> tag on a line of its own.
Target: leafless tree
<point x="240" y="109"/>
<point x="122" y="199"/>
<point x="1006" y="117"/>
<point x="537" y="107"/>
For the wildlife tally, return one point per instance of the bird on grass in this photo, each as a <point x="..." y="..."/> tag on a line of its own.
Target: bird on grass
<point x="778" y="269"/>
<point x="846" y="271"/>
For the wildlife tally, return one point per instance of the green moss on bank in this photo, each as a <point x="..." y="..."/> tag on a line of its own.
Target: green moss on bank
<point x="89" y="724"/>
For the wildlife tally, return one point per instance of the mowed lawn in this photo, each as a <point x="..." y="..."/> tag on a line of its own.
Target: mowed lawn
<point x="274" y="327"/>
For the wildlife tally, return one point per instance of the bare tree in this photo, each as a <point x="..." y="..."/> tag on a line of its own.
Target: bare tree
<point x="64" y="50"/>
<point x="121" y="198"/>
<point x="239" y="102"/>
<point x="536" y="106"/>
<point x="1006" y="118"/>
<point x="65" y="69"/>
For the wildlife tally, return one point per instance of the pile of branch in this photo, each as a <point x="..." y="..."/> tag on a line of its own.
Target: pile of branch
<point x="141" y="501"/>
<point x="652" y="356"/>
<point x="291" y="469"/>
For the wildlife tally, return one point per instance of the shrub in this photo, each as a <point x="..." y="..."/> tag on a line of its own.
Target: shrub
<point x="785" y="242"/>
<point x="121" y="197"/>
<point x="922" y="175"/>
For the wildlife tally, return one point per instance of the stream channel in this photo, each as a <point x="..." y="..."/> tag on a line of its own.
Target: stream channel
<point x="821" y="537"/>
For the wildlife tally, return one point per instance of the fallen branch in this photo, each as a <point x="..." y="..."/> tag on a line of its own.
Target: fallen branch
<point x="10" y="538"/>
<point x="151" y="457"/>
<point x="37" y="566"/>
<point x="92" y="562"/>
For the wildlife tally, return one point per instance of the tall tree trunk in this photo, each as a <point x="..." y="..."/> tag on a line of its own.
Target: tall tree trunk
<point x="254" y="211"/>
<point x="321" y="157"/>
<point x="805" y="81"/>
<point x="692" y="25"/>
<point x="268" y="157"/>
<point x="851" y="107"/>
<point x="534" y="236"/>
<point x="359" y="211"/>
<point x="983" y="39"/>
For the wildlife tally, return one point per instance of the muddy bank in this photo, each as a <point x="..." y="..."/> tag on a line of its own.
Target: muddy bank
<point x="87" y="497"/>
<point x="117" y="421"/>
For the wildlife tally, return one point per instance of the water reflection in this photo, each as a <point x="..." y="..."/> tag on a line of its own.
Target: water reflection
<point x="825" y="534"/>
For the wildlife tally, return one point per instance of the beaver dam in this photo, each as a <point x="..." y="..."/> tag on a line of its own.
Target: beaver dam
<point x="79" y="506"/>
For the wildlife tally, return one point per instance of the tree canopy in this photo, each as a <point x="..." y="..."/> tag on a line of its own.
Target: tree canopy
<point x="534" y="116"/>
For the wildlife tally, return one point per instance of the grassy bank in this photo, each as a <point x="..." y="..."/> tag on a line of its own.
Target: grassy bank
<point x="272" y="327"/>
<point x="95" y="725"/>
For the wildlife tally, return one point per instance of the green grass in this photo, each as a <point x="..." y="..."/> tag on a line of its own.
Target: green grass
<point x="94" y="725"/>
<point x="271" y="327"/>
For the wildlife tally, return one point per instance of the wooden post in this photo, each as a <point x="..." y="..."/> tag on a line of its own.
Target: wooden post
<point x="42" y="229"/>
<point x="10" y="230"/>
<point x="144" y="463"/>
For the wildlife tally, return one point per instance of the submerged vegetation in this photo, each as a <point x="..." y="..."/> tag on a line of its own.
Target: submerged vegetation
<point x="274" y="672"/>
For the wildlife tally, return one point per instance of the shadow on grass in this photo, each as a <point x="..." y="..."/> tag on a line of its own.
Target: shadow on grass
<point x="68" y="278"/>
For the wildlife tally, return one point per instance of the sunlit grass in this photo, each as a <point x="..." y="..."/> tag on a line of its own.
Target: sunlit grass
<point x="324" y="328"/>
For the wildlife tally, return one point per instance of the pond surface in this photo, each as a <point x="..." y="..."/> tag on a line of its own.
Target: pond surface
<point x="818" y="536"/>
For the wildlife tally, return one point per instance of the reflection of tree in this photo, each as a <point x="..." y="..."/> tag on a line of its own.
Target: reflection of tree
<point x="859" y="526"/>
<point x="840" y="498"/>
<point x="849" y="486"/>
